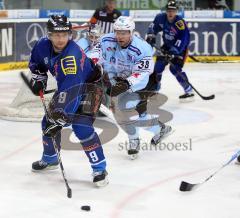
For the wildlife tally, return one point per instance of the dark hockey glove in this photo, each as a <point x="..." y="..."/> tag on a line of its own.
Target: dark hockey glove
<point x="96" y="74"/>
<point x="177" y="60"/>
<point x="52" y="128"/>
<point x="122" y="85"/>
<point x="92" y="100"/>
<point x="151" y="39"/>
<point x="169" y="58"/>
<point x="38" y="82"/>
<point x="164" y="50"/>
<point x="55" y="123"/>
<point x="56" y="120"/>
<point x="163" y="53"/>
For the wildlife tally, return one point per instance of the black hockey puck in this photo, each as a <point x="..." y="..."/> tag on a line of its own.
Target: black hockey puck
<point x="86" y="207"/>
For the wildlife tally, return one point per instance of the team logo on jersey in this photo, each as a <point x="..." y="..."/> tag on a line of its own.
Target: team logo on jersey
<point x="136" y="75"/>
<point x="180" y="25"/>
<point x="69" y="65"/>
<point x="130" y="58"/>
<point x="115" y="15"/>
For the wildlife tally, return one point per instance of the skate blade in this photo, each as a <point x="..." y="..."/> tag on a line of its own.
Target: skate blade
<point x="102" y="183"/>
<point x="187" y="100"/>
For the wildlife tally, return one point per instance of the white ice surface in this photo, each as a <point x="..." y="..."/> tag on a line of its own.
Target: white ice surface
<point x="144" y="188"/>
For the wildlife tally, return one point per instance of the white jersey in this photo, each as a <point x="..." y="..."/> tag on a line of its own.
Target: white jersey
<point x="92" y="51"/>
<point x="135" y="63"/>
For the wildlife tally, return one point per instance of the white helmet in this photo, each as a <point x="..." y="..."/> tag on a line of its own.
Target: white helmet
<point x="124" y="23"/>
<point x="94" y="33"/>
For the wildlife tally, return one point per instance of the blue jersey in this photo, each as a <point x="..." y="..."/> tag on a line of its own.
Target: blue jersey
<point x="135" y="62"/>
<point x="176" y="36"/>
<point x="71" y="68"/>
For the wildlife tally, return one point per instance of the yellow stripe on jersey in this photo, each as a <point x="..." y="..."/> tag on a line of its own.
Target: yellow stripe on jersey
<point x="69" y="65"/>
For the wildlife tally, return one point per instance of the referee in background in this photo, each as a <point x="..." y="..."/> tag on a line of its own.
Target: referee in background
<point x="106" y="16"/>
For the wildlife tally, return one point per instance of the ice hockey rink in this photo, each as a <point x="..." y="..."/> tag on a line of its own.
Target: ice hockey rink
<point x="147" y="186"/>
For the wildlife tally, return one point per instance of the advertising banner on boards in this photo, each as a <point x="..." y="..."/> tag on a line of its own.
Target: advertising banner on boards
<point x="7" y="42"/>
<point x="207" y="39"/>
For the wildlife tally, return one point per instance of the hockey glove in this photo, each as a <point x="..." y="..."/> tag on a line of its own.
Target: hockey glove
<point x="92" y="100"/>
<point x="38" y="82"/>
<point x="52" y="128"/>
<point x="122" y="85"/>
<point x="96" y="74"/>
<point x="178" y="60"/>
<point x="151" y="39"/>
<point x="56" y="120"/>
<point x="163" y="53"/>
<point x="55" y="123"/>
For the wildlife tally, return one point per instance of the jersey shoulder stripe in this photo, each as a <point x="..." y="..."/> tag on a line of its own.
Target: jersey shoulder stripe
<point x="135" y="49"/>
<point x="109" y="39"/>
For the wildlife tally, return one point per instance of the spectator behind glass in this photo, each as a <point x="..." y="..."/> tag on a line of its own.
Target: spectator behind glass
<point x="2" y="7"/>
<point x="106" y="16"/>
<point x="218" y="4"/>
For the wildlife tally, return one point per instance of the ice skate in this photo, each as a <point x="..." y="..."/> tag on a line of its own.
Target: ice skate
<point x="100" y="178"/>
<point x="134" y="146"/>
<point x="41" y="165"/>
<point x="164" y="132"/>
<point x="187" y="97"/>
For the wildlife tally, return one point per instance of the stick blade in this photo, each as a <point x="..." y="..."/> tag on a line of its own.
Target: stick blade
<point x="209" y="97"/>
<point x="69" y="193"/>
<point x="185" y="186"/>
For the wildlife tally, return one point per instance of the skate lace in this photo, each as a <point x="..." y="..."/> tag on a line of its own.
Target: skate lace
<point x="98" y="173"/>
<point x="42" y="163"/>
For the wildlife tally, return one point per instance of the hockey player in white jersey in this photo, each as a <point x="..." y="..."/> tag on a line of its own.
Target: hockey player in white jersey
<point x="91" y="47"/>
<point x="90" y="43"/>
<point x="128" y="63"/>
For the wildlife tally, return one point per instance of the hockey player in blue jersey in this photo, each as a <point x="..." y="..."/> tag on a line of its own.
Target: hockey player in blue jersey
<point x="128" y="63"/>
<point x="62" y="57"/>
<point x="176" y="39"/>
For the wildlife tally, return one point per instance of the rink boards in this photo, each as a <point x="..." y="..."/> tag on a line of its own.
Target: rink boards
<point x="209" y="43"/>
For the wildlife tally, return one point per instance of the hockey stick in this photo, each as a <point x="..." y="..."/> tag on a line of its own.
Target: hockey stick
<point x="185" y="186"/>
<point x="210" y="97"/>
<point x="80" y="27"/>
<point x="26" y="81"/>
<point x="194" y="59"/>
<point x="102" y="108"/>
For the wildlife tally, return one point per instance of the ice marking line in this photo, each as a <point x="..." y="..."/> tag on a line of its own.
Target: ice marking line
<point x="126" y="200"/>
<point x="19" y="149"/>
